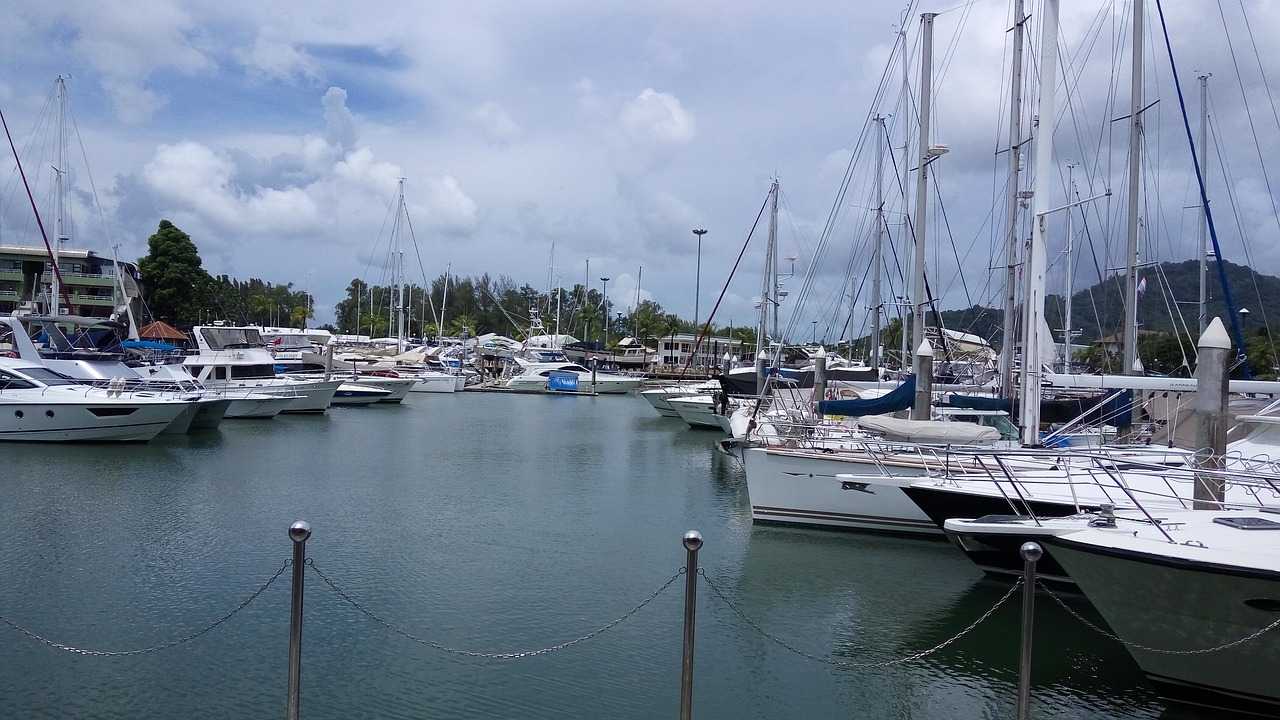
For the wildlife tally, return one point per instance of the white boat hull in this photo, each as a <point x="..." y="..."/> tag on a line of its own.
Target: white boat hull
<point x="699" y="411"/>
<point x="1179" y="596"/>
<point x="84" y="421"/>
<point x="254" y="406"/>
<point x="435" y="383"/>
<point x="813" y="488"/>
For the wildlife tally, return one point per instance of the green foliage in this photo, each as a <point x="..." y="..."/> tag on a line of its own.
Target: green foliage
<point x="178" y="290"/>
<point x="175" y="285"/>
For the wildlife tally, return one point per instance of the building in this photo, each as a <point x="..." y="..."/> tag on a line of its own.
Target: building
<point x="674" y="350"/>
<point x="26" y="279"/>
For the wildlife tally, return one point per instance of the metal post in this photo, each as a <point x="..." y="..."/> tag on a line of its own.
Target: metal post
<point x="298" y="533"/>
<point x="1031" y="552"/>
<point x="692" y="543"/>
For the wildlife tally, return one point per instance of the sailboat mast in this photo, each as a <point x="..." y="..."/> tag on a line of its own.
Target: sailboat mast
<point x="60" y="197"/>
<point x="399" y="270"/>
<point x="768" y="287"/>
<point x="1131" y="251"/>
<point x="1204" y="217"/>
<point x="922" y="187"/>
<point x="906" y="170"/>
<point x="1033" y="300"/>
<point x="877" y="263"/>
<point x="1066" y="316"/>
<point x="1015" y="166"/>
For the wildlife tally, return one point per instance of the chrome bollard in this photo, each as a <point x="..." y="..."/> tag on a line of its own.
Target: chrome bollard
<point x="692" y="543"/>
<point x="1031" y="552"/>
<point x="298" y="533"/>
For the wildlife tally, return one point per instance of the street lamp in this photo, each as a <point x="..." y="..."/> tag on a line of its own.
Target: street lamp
<point x="697" y="280"/>
<point x="605" y="292"/>
<point x="815" y="331"/>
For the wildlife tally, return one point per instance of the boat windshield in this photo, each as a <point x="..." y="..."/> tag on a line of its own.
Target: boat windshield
<point x="48" y="377"/>
<point x="57" y="338"/>
<point x="225" y="338"/>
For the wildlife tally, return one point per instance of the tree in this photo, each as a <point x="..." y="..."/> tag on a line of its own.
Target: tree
<point x="175" y="285"/>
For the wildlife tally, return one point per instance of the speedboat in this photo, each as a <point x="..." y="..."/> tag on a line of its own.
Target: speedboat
<point x="352" y="394"/>
<point x="570" y="377"/>
<point x="40" y="405"/>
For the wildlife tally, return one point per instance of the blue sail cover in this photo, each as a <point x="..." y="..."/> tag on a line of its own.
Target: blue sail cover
<point x="901" y="398"/>
<point x="979" y="402"/>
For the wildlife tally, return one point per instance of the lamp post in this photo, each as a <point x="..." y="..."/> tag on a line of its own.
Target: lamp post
<point x="605" y="292"/>
<point x="815" y="331"/>
<point x="697" y="279"/>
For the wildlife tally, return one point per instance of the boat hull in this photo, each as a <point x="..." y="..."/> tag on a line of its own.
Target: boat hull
<point x="89" y="422"/>
<point x="1176" y="604"/>
<point x="699" y="411"/>
<point x="835" y="492"/>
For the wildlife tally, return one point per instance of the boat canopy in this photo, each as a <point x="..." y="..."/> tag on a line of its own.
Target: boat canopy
<point x="900" y="398"/>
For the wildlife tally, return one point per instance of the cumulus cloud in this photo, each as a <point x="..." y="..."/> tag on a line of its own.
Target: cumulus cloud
<point x="448" y="208"/>
<point x="277" y="60"/>
<point x="656" y="119"/>
<point x="341" y="130"/>
<point x="197" y="179"/>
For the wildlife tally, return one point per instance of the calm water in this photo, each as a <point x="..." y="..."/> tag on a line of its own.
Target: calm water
<point x="493" y="524"/>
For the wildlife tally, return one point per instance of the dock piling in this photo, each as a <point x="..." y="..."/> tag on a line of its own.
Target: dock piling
<point x="1031" y="552"/>
<point x="298" y="533"/>
<point x="692" y="543"/>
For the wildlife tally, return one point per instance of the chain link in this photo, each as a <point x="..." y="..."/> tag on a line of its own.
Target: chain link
<point x="154" y="648"/>
<point x="1126" y="643"/>
<point x="476" y="654"/>
<point x="858" y="665"/>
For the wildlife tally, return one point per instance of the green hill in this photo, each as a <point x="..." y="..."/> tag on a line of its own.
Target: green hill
<point x="1168" y="305"/>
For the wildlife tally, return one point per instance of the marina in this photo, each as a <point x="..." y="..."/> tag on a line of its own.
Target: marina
<point x="478" y="525"/>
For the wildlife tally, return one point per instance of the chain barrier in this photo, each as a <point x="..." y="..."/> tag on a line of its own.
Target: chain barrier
<point x="476" y="654"/>
<point x="1251" y="636"/>
<point x="154" y="648"/>
<point x="858" y="665"/>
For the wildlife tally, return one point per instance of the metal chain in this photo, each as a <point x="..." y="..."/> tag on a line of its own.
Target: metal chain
<point x="1122" y="641"/>
<point x="476" y="654"/>
<point x="858" y="665"/>
<point x="154" y="648"/>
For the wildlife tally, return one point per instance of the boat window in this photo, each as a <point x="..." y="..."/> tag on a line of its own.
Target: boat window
<point x="9" y="381"/>
<point x="223" y="338"/>
<point x="48" y="377"/>
<point x="252" y="371"/>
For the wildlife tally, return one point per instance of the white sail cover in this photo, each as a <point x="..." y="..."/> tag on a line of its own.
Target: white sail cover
<point x="929" y="431"/>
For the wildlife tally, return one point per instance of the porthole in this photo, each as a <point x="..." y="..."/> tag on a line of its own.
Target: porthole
<point x="48" y="413"/>
<point x="18" y="414"/>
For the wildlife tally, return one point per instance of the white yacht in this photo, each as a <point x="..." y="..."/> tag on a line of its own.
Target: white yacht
<point x="234" y="361"/>
<point x="568" y="376"/>
<point x="660" y="397"/>
<point x="91" y="350"/>
<point x="40" y="405"/>
<point x="1194" y="597"/>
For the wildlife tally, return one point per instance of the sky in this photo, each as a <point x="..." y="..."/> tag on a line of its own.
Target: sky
<point x="560" y="142"/>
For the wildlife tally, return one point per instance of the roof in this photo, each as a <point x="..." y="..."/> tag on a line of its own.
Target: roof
<point x="159" y="329"/>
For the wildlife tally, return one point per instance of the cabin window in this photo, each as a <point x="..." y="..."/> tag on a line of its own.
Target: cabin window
<point x="12" y="382"/>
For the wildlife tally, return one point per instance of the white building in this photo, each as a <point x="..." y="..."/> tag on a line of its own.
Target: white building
<point x="675" y="350"/>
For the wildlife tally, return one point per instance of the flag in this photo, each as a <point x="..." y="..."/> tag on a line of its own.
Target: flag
<point x="1142" y="285"/>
